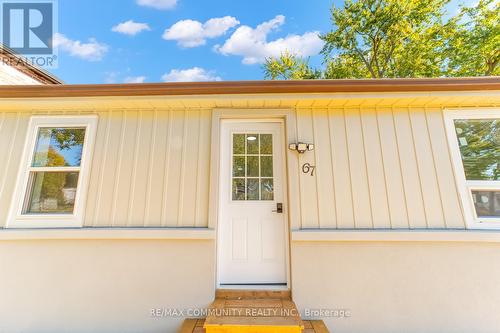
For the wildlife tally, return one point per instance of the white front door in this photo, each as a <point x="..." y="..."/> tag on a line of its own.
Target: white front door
<point x="252" y="230"/>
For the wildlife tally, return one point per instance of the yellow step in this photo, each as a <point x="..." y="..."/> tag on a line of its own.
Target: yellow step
<point x="244" y="311"/>
<point x="195" y="325"/>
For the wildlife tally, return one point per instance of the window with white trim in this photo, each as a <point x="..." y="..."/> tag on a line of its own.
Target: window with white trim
<point x="54" y="176"/>
<point x="474" y="137"/>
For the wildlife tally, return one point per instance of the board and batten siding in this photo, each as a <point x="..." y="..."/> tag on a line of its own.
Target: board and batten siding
<point x="375" y="169"/>
<point x="150" y="167"/>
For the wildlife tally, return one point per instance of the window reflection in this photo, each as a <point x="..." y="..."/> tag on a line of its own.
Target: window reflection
<point x="487" y="203"/>
<point x="479" y="141"/>
<point x="52" y="192"/>
<point x="58" y="147"/>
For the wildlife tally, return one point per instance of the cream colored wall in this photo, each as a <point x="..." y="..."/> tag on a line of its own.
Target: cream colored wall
<point x="400" y="287"/>
<point x="102" y="285"/>
<point x="150" y="167"/>
<point x="384" y="168"/>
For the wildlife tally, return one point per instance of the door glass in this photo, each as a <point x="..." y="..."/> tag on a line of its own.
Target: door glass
<point x="252" y="167"/>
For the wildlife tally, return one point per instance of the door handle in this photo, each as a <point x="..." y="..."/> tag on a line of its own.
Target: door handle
<point x="279" y="208"/>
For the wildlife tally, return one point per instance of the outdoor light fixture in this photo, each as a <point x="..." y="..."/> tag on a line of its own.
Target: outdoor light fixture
<point x="301" y="147"/>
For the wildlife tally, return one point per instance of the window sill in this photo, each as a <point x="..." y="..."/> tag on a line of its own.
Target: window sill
<point x="483" y="236"/>
<point x="107" y="233"/>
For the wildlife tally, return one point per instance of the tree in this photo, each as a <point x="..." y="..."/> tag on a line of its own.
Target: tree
<point x="394" y="38"/>
<point x="475" y="47"/>
<point x="287" y="66"/>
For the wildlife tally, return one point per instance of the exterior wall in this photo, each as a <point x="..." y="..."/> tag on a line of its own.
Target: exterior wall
<point x="375" y="169"/>
<point x="11" y="76"/>
<point x="102" y="285"/>
<point x="149" y="169"/>
<point x="400" y="287"/>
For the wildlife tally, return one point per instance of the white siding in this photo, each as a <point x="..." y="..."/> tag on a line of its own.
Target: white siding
<point x="375" y="168"/>
<point x="391" y="168"/>
<point x="11" y="76"/>
<point x="150" y="168"/>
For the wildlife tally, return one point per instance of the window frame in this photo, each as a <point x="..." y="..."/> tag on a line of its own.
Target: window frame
<point x="464" y="186"/>
<point x="16" y="217"/>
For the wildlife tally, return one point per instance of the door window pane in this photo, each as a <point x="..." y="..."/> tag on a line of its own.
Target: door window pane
<point x="266" y="143"/>
<point x="252" y="167"/>
<point x="252" y="143"/>
<point x="238" y="189"/>
<point x="479" y="142"/>
<point x="238" y="143"/>
<point x="52" y="192"/>
<point x="239" y="166"/>
<point x="266" y="166"/>
<point x="252" y="189"/>
<point x="267" y="189"/>
<point x="58" y="147"/>
<point x="487" y="203"/>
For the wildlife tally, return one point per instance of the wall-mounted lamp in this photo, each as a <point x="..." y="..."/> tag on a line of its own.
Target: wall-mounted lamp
<point x="301" y="147"/>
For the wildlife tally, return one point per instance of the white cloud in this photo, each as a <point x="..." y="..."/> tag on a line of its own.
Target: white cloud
<point x="134" y="79"/>
<point x="130" y="28"/>
<point x="191" y="33"/>
<point x="91" y="51"/>
<point x="158" y="4"/>
<point x="190" y="75"/>
<point x="252" y="44"/>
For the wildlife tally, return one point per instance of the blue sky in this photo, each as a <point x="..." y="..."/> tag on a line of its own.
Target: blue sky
<point x="169" y="40"/>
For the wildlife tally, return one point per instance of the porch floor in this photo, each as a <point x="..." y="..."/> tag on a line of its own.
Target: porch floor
<point x="251" y="311"/>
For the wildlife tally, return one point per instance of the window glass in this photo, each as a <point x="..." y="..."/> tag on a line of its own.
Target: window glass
<point x="54" y="192"/>
<point x="252" y="143"/>
<point x="238" y="143"/>
<point x="58" y="147"/>
<point x="51" y="192"/>
<point x="479" y="142"/>
<point x="266" y="144"/>
<point x="239" y="189"/>
<point x="267" y="189"/>
<point x="486" y="203"/>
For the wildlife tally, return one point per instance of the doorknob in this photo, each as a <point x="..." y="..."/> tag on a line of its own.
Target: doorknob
<point x="279" y="208"/>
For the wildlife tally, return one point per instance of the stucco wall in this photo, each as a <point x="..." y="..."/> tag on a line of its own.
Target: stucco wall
<point x="101" y="285"/>
<point x="411" y="287"/>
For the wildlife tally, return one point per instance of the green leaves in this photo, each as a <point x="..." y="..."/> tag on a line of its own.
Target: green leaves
<point x="394" y="38"/>
<point x="289" y="67"/>
<point x="474" y="48"/>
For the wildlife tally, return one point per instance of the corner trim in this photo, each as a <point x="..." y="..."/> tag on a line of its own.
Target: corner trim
<point x="107" y="233"/>
<point x="395" y="236"/>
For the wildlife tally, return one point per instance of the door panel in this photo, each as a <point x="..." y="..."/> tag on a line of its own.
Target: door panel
<point x="251" y="233"/>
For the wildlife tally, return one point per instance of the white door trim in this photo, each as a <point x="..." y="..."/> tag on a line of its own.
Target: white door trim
<point x="287" y="117"/>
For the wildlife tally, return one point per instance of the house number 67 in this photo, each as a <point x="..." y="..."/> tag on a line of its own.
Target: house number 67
<point x="308" y="168"/>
